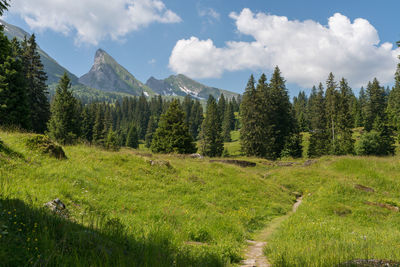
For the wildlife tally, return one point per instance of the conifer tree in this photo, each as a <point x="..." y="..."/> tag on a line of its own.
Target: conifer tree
<point x="87" y="124"/>
<point x="172" y="135"/>
<point x="14" y="107"/>
<point x="64" y="124"/>
<point x="3" y="6"/>
<point x="345" y="141"/>
<point x="196" y="119"/>
<point x="151" y="128"/>
<point x="111" y="142"/>
<point x="36" y="85"/>
<point x="319" y="138"/>
<point x="211" y="139"/>
<point x="229" y="123"/>
<point x="332" y="106"/>
<point x="375" y="106"/>
<point x="252" y="132"/>
<point x="300" y="105"/>
<point x="132" y="139"/>
<point x="221" y="107"/>
<point x="393" y="108"/>
<point x="98" y="127"/>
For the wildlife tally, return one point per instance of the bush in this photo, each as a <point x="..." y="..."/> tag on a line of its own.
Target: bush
<point x="44" y="145"/>
<point x="374" y="143"/>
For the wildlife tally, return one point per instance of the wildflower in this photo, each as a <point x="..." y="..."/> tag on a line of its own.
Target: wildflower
<point x="35" y="239"/>
<point x="28" y="239"/>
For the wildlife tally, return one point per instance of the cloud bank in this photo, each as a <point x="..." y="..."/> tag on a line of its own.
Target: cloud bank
<point x="305" y="51"/>
<point x="93" y="20"/>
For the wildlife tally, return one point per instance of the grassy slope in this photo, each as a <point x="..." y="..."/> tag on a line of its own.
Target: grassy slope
<point x="334" y="224"/>
<point x="164" y="210"/>
<point x="161" y="209"/>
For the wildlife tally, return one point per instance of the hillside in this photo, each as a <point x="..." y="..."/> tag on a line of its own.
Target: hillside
<point x="181" y="85"/>
<point x="108" y="75"/>
<point x="124" y="211"/>
<point x="51" y="67"/>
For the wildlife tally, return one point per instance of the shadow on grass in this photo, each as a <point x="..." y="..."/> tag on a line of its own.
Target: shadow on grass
<point x="36" y="237"/>
<point x="9" y="152"/>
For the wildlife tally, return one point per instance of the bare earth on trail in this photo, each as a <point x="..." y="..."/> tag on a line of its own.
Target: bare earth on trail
<point x="254" y="253"/>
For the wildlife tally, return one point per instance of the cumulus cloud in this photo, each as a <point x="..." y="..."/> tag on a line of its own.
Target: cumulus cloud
<point x="305" y="51"/>
<point x="93" y="20"/>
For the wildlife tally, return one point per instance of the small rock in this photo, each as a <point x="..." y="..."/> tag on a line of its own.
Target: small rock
<point x="160" y="163"/>
<point x="309" y="162"/>
<point x="196" y="156"/>
<point x="57" y="207"/>
<point x="364" y="188"/>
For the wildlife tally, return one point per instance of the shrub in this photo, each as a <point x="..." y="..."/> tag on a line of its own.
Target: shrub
<point x="374" y="143"/>
<point x="44" y="145"/>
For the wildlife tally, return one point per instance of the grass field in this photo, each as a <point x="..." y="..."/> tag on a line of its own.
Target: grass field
<point x="126" y="212"/>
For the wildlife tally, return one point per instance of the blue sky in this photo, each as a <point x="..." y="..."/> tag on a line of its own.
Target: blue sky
<point x="143" y="39"/>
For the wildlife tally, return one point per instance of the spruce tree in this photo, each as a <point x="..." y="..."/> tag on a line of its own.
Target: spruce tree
<point x="172" y="135"/>
<point x="221" y="107"/>
<point x="196" y="119"/>
<point x="14" y="107"/>
<point x="3" y="6"/>
<point x="132" y="139"/>
<point x="87" y="125"/>
<point x="375" y="105"/>
<point x="151" y="128"/>
<point x="319" y="138"/>
<point x="211" y="140"/>
<point x="229" y="123"/>
<point x="393" y="108"/>
<point x="252" y="132"/>
<point x="300" y="104"/>
<point x="332" y="106"/>
<point x="345" y="141"/>
<point x="98" y="127"/>
<point x="64" y="124"/>
<point x="36" y="85"/>
<point x="111" y="142"/>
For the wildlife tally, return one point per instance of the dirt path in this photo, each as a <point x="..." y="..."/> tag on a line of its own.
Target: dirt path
<point x="254" y="253"/>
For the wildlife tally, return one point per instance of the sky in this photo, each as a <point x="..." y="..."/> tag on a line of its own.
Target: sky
<point x="221" y="42"/>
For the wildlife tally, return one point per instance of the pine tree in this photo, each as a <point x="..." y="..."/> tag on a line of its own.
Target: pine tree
<point x="3" y="6"/>
<point x="111" y="142"/>
<point x="300" y="104"/>
<point x="375" y="105"/>
<point x="345" y="141"/>
<point x="87" y="125"/>
<point x="332" y="106"/>
<point x="229" y="123"/>
<point x="64" y="124"/>
<point x="393" y="108"/>
<point x="132" y="139"/>
<point x="151" y="129"/>
<point x="212" y="144"/>
<point x="221" y="107"/>
<point x="196" y="119"/>
<point x="14" y="107"/>
<point x="98" y="127"/>
<point x="36" y="84"/>
<point x="252" y="132"/>
<point x="319" y="138"/>
<point x="172" y="135"/>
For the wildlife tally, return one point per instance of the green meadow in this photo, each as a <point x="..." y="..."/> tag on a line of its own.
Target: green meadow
<point x="182" y="211"/>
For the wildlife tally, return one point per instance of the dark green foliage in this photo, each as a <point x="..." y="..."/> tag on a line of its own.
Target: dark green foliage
<point x="319" y="139"/>
<point x="393" y="108"/>
<point x="112" y="142"/>
<point x="375" y="143"/>
<point x="151" y="129"/>
<point x="300" y="105"/>
<point x="14" y="106"/>
<point x="221" y="107"/>
<point x="88" y="119"/>
<point x="345" y="123"/>
<point x="3" y="6"/>
<point x="142" y="115"/>
<point x="332" y="107"/>
<point x="172" y="135"/>
<point x="212" y="143"/>
<point x="196" y="119"/>
<point x="98" y="127"/>
<point x="375" y="105"/>
<point x="44" y="145"/>
<point x="293" y="147"/>
<point x="65" y="122"/>
<point x="229" y="123"/>
<point x="36" y="85"/>
<point x="251" y="110"/>
<point x="132" y="139"/>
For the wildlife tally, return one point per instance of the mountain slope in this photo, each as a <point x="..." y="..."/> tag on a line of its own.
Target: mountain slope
<point x="108" y="75"/>
<point x="51" y="67"/>
<point x="180" y="85"/>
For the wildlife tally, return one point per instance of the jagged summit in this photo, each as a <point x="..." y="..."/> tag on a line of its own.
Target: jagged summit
<point x="108" y="75"/>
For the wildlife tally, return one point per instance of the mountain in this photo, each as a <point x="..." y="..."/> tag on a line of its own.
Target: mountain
<point x="108" y="75"/>
<point x="180" y="85"/>
<point x="51" y="67"/>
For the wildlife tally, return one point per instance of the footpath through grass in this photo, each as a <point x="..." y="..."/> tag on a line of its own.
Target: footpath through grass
<point x="126" y="212"/>
<point x="340" y="220"/>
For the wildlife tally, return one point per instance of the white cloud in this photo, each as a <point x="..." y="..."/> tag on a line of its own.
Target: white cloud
<point x="93" y="20"/>
<point x="210" y="13"/>
<point x="305" y="51"/>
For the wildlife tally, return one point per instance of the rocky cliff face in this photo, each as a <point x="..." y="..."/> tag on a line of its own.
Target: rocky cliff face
<point x="109" y="76"/>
